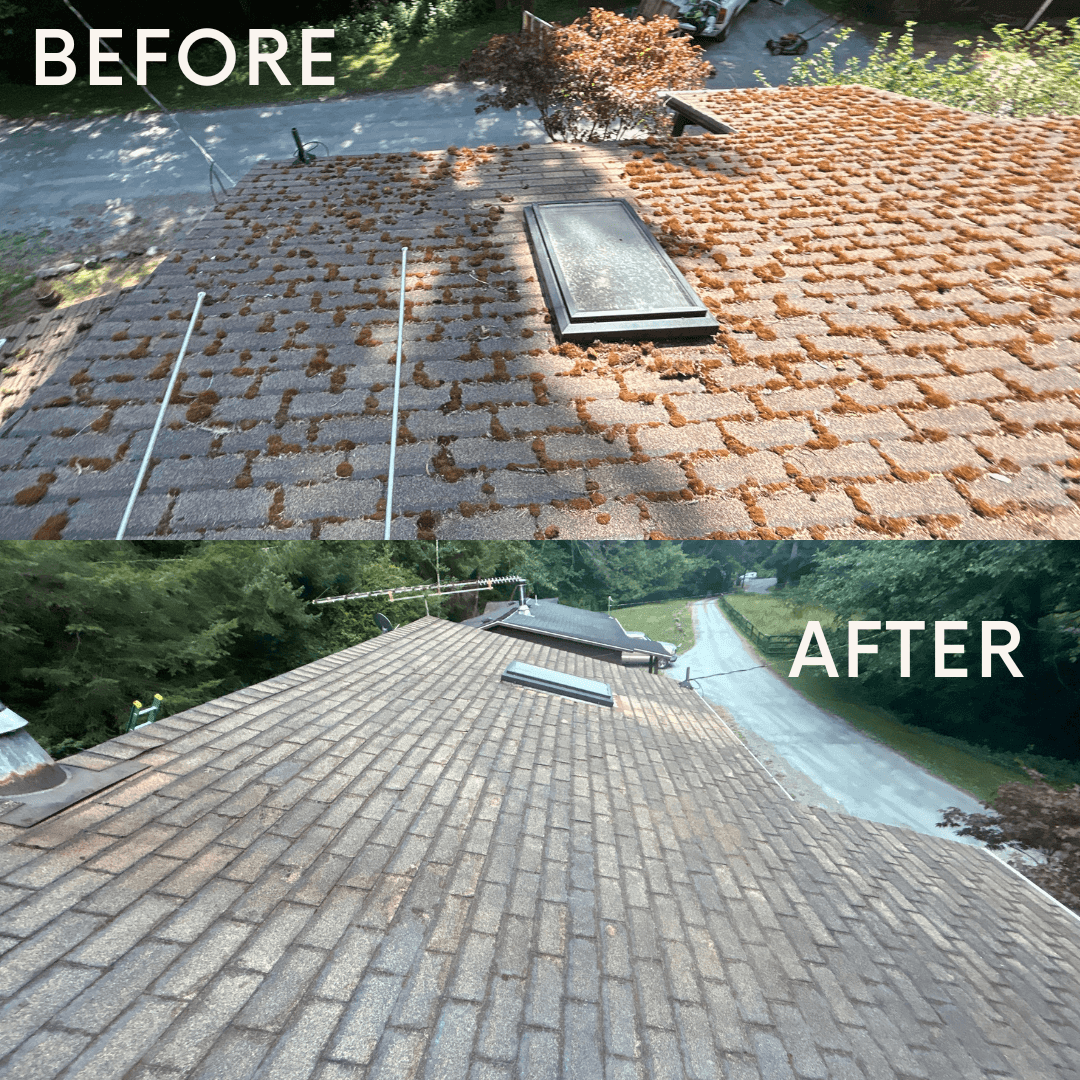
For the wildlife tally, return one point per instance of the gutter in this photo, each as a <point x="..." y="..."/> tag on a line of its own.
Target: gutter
<point x="1031" y="884"/>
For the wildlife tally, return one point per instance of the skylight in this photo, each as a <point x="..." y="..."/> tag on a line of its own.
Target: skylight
<point x="558" y="682"/>
<point x="605" y="276"/>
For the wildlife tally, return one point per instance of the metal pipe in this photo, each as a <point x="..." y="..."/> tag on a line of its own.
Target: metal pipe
<point x="397" y="388"/>
<point x="1038" y="14"/>
<point x="160" y="416"/>
<point x="301" y="157"/>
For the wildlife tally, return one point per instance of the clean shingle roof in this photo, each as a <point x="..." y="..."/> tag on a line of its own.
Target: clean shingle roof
<point x="390" y="864"/>
<point x="897" y="283"/>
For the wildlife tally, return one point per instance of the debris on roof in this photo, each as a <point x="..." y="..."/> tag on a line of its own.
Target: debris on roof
<point x="897" y="285"/>
<point x="389" y="863"/>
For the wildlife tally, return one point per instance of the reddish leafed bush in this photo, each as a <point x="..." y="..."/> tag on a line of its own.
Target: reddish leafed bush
<point x="594" y="80"/>
<point x="1034" y="817"/>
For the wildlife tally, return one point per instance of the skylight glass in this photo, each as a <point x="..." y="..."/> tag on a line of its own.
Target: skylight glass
<point x="605" y="276"/>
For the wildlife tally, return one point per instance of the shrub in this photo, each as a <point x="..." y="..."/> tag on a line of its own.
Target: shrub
<point x="1033" y="817"/>
<point x="593" y="80"/>
<point x="1024" y="73"/>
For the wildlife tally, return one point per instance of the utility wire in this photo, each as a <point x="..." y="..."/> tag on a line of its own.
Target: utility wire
<point x="698" y="678"/>
<point x="202" y="149"/>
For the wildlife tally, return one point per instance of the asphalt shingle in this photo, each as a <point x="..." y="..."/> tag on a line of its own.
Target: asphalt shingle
<point x="873" y="284"/>
<point x="390" y="860"/>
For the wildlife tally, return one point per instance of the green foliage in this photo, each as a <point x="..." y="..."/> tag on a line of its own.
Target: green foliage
<point x="788" y="560"/>
<point x="771" y="615"/>
<point x="389" y="20"/>
<point x="17" y="252"/>
<point x="381" y="57"/>
<point x="595" y="80"/>
<point x="585" y="573"/>
<point x="1032" y="585"/>
<point x="85" y="628"/>
<point x="1023" y="73"/>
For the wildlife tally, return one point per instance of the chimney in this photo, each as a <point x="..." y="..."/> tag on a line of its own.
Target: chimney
<point x="24" y="766"/>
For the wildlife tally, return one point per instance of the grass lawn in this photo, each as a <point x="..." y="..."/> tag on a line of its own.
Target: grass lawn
<point x="965" y="770"/>
<point x="772" y="615"/>
<point x="658" y="621"/>
<point x="20" y="255"/>
<point x="386" y="65"/>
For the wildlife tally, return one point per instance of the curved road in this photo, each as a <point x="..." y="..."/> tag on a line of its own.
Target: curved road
<point x="869" y="780"/>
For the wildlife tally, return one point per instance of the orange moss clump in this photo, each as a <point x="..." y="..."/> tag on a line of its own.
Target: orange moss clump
<point x="52" y="528"/>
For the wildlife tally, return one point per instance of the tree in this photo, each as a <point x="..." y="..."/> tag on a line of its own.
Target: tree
<point x="85" y="628"/>
<point x="1032" y="817"/>
<point x="585" y="573"/>
<point x="1032" y="585"/>
<point x="595" y="80"/>
<point x="785" y="560"/>
<point x="721" y="565"/>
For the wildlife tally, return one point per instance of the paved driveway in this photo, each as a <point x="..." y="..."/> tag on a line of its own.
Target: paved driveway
<point x="759" y="585"/>
<point x="108" y="170"/>
<point x="868" y="779"/>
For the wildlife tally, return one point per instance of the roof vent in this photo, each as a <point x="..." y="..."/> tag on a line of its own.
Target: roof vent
<point x="558" y="682"/>
<point x="33" y="787"/>
<point x="24" y="765"/>
<point x="604" y="275"/>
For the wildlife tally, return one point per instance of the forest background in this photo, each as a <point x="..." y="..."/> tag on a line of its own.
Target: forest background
<point x="85" y="628"/>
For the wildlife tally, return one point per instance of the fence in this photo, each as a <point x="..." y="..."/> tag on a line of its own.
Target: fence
<point x="769" y="644"/>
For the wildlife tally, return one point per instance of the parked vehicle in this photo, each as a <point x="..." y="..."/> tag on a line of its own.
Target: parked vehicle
<point x="710" y="19"/>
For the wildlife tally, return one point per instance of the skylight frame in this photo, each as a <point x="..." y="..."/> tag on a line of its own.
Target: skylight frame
<point x="551" y="681"/>
<point x="570" y="322"/>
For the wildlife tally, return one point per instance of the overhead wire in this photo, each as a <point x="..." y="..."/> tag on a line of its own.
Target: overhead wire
<point x="195" y="142"/>
<point x="697" y="678"/>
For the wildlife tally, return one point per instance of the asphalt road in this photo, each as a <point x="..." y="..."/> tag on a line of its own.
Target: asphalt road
<point x="759" y="585"/>
<point x="101" y="173"/>
<point x="867" y="779"/>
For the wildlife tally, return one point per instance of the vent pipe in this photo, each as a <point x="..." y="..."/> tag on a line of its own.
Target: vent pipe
<point x="24" y="765"/>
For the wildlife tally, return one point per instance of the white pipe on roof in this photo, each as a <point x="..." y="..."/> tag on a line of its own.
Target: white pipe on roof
<point x="160" y="416"/>
<point x="1035" y="18"/>
<point x="397" y="388"/>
